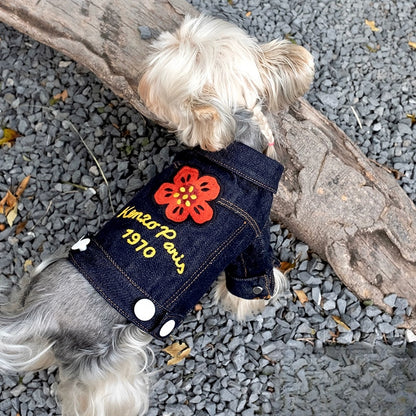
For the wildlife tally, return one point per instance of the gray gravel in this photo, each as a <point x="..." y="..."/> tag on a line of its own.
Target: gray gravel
<point x="294" y="359"/>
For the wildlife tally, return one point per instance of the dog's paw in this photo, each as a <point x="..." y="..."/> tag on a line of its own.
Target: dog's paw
<point x="244" y="308"/>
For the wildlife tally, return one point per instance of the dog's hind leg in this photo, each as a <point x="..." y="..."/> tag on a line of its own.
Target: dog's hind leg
<point x="108" y="379"/>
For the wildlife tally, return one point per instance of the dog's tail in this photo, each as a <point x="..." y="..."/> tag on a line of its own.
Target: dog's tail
<point x="23" y="346"/>
<point x="19" y="350"/>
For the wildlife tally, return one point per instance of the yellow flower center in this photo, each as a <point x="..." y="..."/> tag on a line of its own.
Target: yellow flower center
<point x="185" y="195"/>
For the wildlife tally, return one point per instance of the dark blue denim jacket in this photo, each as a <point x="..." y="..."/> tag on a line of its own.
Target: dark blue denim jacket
<point x="207" y="212"/>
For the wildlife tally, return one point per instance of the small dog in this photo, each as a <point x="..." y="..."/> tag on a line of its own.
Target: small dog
<point x="211" y="83"/>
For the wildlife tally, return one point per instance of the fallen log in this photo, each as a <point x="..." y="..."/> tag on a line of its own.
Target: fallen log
<point x="347" y="209"/>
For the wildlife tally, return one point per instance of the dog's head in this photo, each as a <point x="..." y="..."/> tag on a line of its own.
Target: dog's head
<point x="198" y="77"/>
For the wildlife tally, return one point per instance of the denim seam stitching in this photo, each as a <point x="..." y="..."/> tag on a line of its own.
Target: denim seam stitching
<point x="237" y="210"/>
<point x="204" y="265"/>
<point x="242" y="174"/>
<point x="132" y="282"/>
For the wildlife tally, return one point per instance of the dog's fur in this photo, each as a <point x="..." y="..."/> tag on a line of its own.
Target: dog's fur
<point x="210" y="82"/>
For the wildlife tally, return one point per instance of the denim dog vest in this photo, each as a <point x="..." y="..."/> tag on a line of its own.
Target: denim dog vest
<point x="207" y="212"/>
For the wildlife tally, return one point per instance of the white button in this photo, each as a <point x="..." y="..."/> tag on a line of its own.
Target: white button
<point x="257" y="290"/>
<point x="167" y="328"/>
<point x="144" y="309"/>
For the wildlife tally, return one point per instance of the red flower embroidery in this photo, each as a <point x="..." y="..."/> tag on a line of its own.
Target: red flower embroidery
<point x="188" y="195"/>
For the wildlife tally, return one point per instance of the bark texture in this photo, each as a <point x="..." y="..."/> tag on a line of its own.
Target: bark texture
<point x="348" y="210"/>
<point x="102" y="35"/>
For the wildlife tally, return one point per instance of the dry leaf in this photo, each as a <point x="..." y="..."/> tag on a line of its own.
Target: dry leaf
<point x="302" y="296"/>
<point x="337" y="319"/>
<point x="198" y="307"/>
<point x="9" y="136"/>
<point x="286" y="267"/>
<point x="7" y="203"/>
<point x="22" y="186"/>
<point x="412" y="45"/>
<point x="248" y="14"/>
<point x="11" y="216"/>
<point x="62" y="96"/>
<point x="372" y="25"/>
<point x="412" y="118"/>
<point x="178" y="351"/>
<point x="20" y="227"/>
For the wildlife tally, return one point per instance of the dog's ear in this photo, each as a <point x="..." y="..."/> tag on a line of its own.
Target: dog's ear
<point x="287" y="71"/>
<point x="210" y="126"/>
<point x="147" y="93"/>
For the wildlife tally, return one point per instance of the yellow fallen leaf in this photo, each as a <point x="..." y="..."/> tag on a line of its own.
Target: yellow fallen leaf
<point x="286" y="267"/>
<point x="302" y="296"/>
<point x="9" y="136"/>
<point x="412" y="118"/>
<point x="178" y="351"/>
<point x="248" y="14"/>
<point x="372" y="25"/>
<point x="412" y="45"/>
<point x="337" y="319"/>
<point x="11" y="216"/>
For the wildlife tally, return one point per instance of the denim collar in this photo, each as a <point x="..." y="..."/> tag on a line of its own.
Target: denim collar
<point x="247" y="163"/>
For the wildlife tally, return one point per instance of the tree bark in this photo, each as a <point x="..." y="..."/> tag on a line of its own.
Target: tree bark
<point x="348" y="210"/>
<point x="102" y="35"/>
